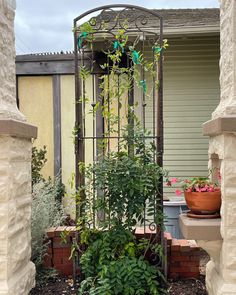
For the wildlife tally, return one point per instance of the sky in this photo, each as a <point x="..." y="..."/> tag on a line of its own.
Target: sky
<point x="46" y="25"/>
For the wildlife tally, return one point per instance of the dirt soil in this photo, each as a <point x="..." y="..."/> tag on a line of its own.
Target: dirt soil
<point x="187" y="287"/>
<point x="58" y="286"/>
<point x="64" y="286"/>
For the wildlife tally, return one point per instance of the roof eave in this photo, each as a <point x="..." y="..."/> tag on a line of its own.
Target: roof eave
<point x="192" y="30"/>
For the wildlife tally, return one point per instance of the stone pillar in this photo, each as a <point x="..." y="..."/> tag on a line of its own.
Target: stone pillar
<point x="16" y="271"/>
<point x="221" y="271"/>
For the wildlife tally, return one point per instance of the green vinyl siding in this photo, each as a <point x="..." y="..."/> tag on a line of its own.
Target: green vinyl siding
<point x="191" y="93"/>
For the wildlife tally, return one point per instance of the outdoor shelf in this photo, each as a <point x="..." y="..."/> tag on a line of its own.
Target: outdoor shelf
<point x="200" y="229"/>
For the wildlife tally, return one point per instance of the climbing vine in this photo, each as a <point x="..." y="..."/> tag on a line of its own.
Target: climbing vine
<point x="121" y="187"/>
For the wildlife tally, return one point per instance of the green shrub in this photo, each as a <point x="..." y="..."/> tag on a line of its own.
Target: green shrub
<point x="127" y="185"/>
<point x="114" y="264"/>
<point x="46" y="212"/>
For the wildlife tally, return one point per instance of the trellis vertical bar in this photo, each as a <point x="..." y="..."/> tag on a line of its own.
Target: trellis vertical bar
<point x="57" y="123"/>
<point x="99" y="133"/>
<point x="118" y="109"/>
<point x="108" y="106"/>
<point x="160" y="129"/>
<point x="83" y="97"/>
<point x="143" y="88"/>
<point x="143" y="106"/>
<point x="78" y="132"/>
<point x="94" y="132"/>
<point x="130" y="108"/>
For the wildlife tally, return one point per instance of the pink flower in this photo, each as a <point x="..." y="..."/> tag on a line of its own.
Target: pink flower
<point x="178" y="192"/>
<point x="173" y="180"/>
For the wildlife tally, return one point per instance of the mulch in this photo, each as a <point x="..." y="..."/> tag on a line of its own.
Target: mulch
<point x="65" y="286"/>
<point x="187" y="287"/>
<point x="58" y="286"/>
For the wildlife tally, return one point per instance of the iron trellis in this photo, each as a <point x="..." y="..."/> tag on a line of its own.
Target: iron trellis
<point x="143" y="27"/>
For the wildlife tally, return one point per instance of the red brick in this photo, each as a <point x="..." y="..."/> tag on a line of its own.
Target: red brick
<point x="66" y="260"/>
<point x="184" y="246"/>
<point x="65" y="270"/>
<point x="175" y="245"/>
<point x="189" y="275"/>
<point x="49" y="251"/>
<point x="189" y="263"/>
<point x="180" y="258"/>
<point x="59" y="230"/>
<point x="67" y="251"/>
<point x="47" y="261"/>
<point x="195" y="258"/>
<point x="168" y="237"/>
<point x="58" y="251"/>
<point x="179" y="269"/>
<point x="173" y="275"/>
<point x="174" y="264"/>
<point x="194" y="268"/>
<point x="57" y="260"/>
<point x="51" y="232"/>
<point x="71" y="230"/>
<point x="195" y="253"/>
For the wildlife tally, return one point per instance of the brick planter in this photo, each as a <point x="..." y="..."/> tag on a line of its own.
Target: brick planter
<point x="59" y="250"/>
<point x="183" y="256"/>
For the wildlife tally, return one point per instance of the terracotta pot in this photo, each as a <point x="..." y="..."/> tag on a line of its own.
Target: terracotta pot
<point x="203" y="202"/>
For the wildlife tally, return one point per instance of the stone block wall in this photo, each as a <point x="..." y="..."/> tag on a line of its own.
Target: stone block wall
<point x="15" y="215"/>
<point x="221" y="270"/>
<point x="17" y="273"/>
<point x="8" y="107"/>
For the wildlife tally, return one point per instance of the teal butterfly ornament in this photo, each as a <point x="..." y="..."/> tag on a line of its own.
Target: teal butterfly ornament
<point x="117" y="45"/>
<point x="157" y="49"/>
<point x="135" y="55"/>
<point x="143" y="84"/>
<point x="81" y="39"/>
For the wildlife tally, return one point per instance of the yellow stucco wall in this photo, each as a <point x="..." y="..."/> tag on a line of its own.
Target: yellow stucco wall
<point x="36" y="103"/>
<point x="67" y="144"/>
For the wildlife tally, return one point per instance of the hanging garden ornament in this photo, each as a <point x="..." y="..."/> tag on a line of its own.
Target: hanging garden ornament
<point x="135" y="55"/>
<point x="143" y="84"/>
<point x="81" y="39"/>
<point x="117" y="45"/>
<point x="157" y="49"/>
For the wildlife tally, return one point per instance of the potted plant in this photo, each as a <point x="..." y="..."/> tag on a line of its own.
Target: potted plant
<point x="203" y="196"/>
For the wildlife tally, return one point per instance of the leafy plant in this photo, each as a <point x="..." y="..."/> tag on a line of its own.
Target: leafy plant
<point x="196" y="184"/>
<point x="46" y="212"/>
<point x="127" y="185"/>
<point x="113" y="264"/>
<point x="121" y="189"/>
<point x="38" y="161"/>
